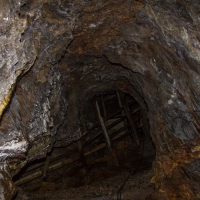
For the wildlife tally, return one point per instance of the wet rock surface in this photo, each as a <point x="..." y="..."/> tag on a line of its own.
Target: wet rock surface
<point x="56" y="55"/>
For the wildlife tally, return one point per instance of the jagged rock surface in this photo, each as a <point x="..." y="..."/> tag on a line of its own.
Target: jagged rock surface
<point x="56" y="55"/>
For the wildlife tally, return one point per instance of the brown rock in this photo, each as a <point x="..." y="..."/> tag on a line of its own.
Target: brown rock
<point x="56" y="55"/>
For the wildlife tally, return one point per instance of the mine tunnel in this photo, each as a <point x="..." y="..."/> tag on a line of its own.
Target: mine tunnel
<point x="99" y="99"/>
<point x="114" y="144"/>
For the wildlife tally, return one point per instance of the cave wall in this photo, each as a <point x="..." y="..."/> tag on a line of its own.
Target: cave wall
<point x="96" y="76"/>
<point x="159" y="42"/>
<point x="57" y="54"/>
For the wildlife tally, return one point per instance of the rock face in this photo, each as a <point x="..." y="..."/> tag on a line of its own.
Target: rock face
<point x="56" y="55"/>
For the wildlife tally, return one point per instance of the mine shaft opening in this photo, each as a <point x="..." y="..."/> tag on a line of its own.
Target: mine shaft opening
<point x="112" y="144"/>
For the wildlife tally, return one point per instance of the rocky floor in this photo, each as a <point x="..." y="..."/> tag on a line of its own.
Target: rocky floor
<point x="138" y="187"/>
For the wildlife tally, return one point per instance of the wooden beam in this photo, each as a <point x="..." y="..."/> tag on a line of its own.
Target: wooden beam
<point x="89" y="130"/>
<point x="34" y="167"/>
<point x="110" y="126"/>
<point x="65" y="170"/>
<point x="113" y="124"/>
<point x="119" y="131"/>
<point x="40" y="172"/>
<point x="104" y="111"/>
<point x="29" y="178"/>
<point x="130" y="119"/>
<point x="106" y="135"/>
<point x="101" y="146"/>
<point x="120" y="103"/>
<point x="51" y="177"/>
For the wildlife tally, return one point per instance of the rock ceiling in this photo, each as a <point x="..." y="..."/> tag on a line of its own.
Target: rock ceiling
<point x="57" y="54"/>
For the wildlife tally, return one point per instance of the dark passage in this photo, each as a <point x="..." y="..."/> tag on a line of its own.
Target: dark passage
<point x="112" y="146"/>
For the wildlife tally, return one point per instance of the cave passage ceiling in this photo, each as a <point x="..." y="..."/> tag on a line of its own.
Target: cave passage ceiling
<point x="57" y="54"/>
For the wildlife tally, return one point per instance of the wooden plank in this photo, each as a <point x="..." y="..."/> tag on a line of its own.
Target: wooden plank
<point x="110" y="126"/>
<point x="129" y="116"/>
<point x="51" y="177"/>
<point x="29" y="178"/>
<point x="103" y="127"/>
<point x="58" y="165"/>
<point x="101" y="146"/>
<point x="34" y="167"/>
<point x="111" y="116"/>
<point x="104" y="112"/>
<point x="120" y="104"/>
<point x="106" y="135"/>
<point x="40" y="172"/>
<point x="119" y="131"/>
<point x="92" y="139"/>
<point x="116" y="122"/>
<point x="65" y="154"/>
<point x="89" y="130"/>
<point x="121" y="119"/>
<point x="120" y="137"/>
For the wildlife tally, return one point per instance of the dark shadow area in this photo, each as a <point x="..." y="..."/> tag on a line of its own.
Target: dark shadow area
<point x="113" y="154"/>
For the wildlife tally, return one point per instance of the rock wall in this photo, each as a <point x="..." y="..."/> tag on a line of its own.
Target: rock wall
<point x="57" y="54"/>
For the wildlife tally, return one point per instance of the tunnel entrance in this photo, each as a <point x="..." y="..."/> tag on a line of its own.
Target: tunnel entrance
<point x="111" y="148"/>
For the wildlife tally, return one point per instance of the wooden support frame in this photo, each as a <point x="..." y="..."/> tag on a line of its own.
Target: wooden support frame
<point x="65" y="163"/>
<point x="106" y="135"/>
<point x="62" y="160"/>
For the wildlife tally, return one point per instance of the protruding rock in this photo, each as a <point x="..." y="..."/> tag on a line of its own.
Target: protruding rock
<point x="7" y="187"/>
